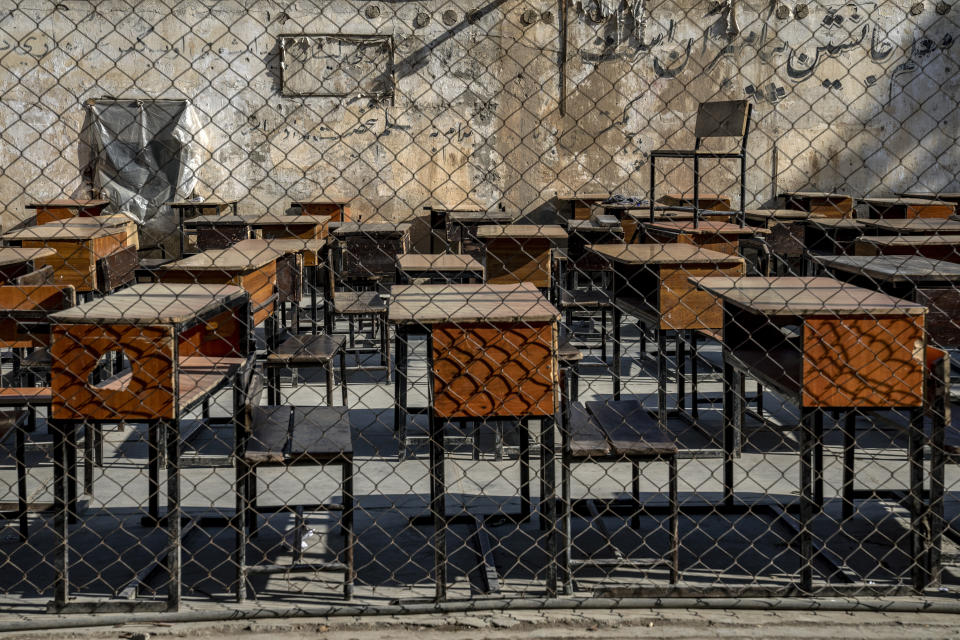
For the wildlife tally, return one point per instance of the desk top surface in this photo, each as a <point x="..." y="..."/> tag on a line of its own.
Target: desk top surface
<point x="330" y="200"/>
<point x="69" y="203"/>
<point x="657" y="253"/>
<point x="678" y="198"/>
<point x="545" y="231"/>
<point x="461" y="303"/>
<point x="17" y="255"/>
<point x="281" y="245"/>
<point x="234" y="258"/>
<point x="950" y="196"/>
<point x="370" y="228"/>
<point x="705" y="227"/>
<point x="895" y="268"/>
<point x="834" y="223"/>
<point x="66" y="230"/>
<point x="474" y="217"/>
<point x="816" y="195"/>
<point x="801" y="296"/>
<point x="209" y="202"/>
<point x="154" y="303"/>
<point x="898" y="201"/>
<point x="914" y="225"/>
<point x="574" y="226"/>
<point x="438" y="262"/>
<point x="587" y="197"/>
<point x="765" y="216"/>
<point x="912" y="241"/>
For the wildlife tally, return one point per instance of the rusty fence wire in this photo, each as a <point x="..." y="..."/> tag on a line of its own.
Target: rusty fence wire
<point x="403" y="302"/>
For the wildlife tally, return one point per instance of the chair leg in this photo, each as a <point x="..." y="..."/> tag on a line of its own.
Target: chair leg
<point x="240" y="530"/>
<point x="603" y="334"/>
<point x="525" y="501"/>
<point x="21" y="455"/>
<point x="349" y="538"/>
<point x="635" y="490"/>
<point x="343" y="375"/>
<point x="566" y="531"/>
<point x="251" y="507"/>
<point x="328" y="368"/>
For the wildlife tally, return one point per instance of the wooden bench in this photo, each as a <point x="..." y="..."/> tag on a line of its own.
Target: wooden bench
<point x="308" y="350"/>
<point x="617" y="431"/>
<point x="285" y="436"/>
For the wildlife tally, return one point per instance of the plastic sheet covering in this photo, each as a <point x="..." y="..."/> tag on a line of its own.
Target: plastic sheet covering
<point x="143" y="154"/>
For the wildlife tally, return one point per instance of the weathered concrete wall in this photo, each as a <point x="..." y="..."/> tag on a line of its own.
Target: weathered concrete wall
<point x="858" y="96"/>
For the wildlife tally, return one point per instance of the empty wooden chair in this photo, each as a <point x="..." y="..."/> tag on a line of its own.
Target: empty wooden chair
<point x="729" y="119"/>
<point x="286" y="436"/>
<point x="616" y="431"/>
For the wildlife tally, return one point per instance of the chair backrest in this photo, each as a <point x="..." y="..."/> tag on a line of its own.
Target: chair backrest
<point x="252" y="393"/>
<point x="371" y="256"/>
<point x="290" y="278"/>
<point x="117" y="269"/>
<point x="43" y="275"/>
<point x="729" y="119"/>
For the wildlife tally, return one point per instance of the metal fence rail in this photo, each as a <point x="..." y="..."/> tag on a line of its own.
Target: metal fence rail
<point x="369" y="308"/>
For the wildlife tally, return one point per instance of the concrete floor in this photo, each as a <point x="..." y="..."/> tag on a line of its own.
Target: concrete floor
<point x="394" y="557"/>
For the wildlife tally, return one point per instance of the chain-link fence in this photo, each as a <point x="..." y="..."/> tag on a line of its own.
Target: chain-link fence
<point x="392" y="302"/>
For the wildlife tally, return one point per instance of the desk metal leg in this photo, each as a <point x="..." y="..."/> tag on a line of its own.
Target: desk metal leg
<point x="548" y="498"/>
<point x="438" y="505"/>
<point x="730" y="415"/>
<point x="818" y="460"/>
<point x="918" y="552"/>
<point x="73" y="473"/>
<point x="807" y="428"/>
<point x="694" y="400"/>
<point x="400" y="391"/>
<point x="62" y="548"/>
<point x="937" y="464"/>
<point x="681" y="372"/>
<point x="153" y="472"/>
<point x="172" y="433"/>
<point x="849" y="460"/>
<point x="661" y="377"/>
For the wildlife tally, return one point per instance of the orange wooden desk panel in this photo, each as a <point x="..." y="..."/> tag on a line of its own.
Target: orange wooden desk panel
<point x="77" y="248"/>
<point x="252" y="268"/>
<point x="22" y="306"/>
<point x="832" y="205"/>
<point x="181" y="341"/>
<point x="336" y="210"/>
<point x="494" y="347"/>
<point x="856" y="347"/>
<point x="519" y="252"/>
<point x="66" y="208"/>
<point x="907" y="208"/>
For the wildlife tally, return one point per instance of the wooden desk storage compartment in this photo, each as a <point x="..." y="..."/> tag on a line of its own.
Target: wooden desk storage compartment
<point x="830" y="205"/>
<point x="519" y="253"/>
<point x="175" y="353"/>
<point x="494" y="369"/>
